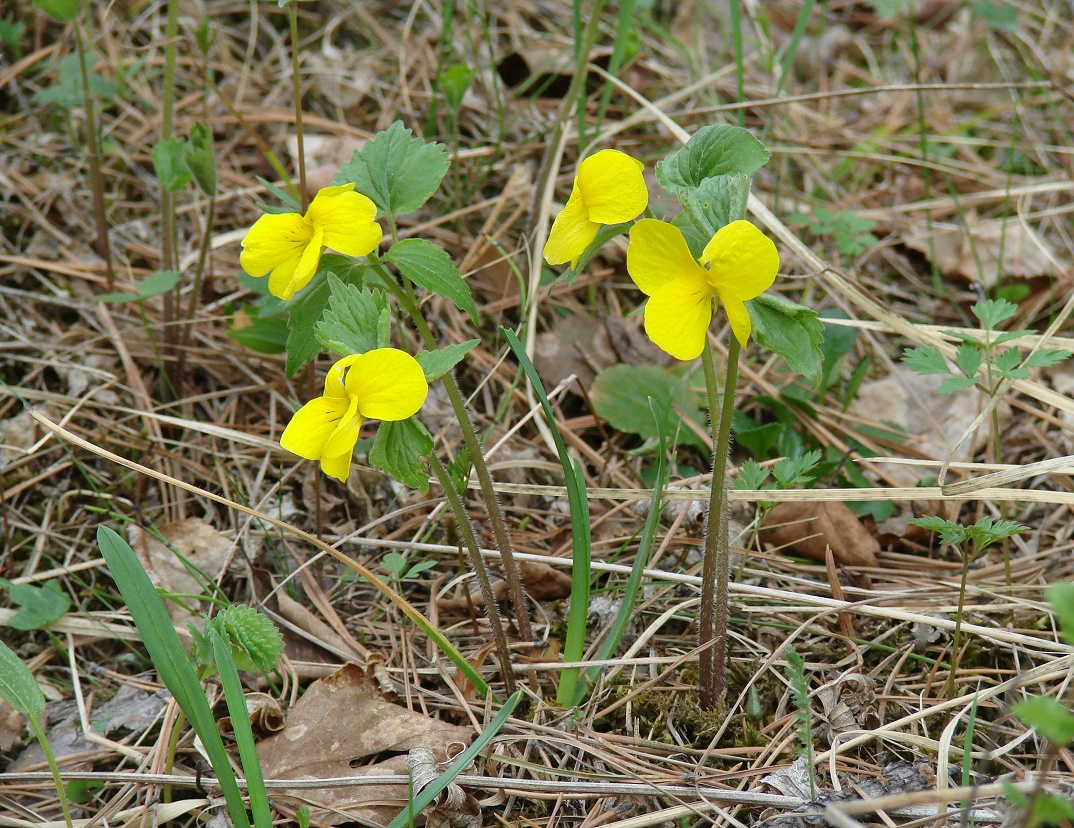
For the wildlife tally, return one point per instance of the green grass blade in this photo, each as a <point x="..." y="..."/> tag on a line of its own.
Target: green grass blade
<point x="244" y="735"/>
<point x="787" y="62"/>
<point x="431" y="791"/>
<point x="574" y="646"/>
<point x="171" y="661"/>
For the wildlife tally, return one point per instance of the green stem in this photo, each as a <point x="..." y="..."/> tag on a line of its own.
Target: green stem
<point x="462" y="521"/>
<point x="715" y="574"/>
<point x="100" y="220"/>
<point x="292" y="16"/>
<point x="169" y="758"/>
<point x="195" y="293"/>
<point x="54" y="769"/>
<point x="956" y="639"/>
<point x="168" y="236"/>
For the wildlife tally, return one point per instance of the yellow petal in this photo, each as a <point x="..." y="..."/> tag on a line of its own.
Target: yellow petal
<point x="333" y="381"/>
<point x="286" y="281"/>
<point x="342" y="440"/>
<point x="677" y="317"/>
<point x="657" y="255"/>
<point x="346" y="217"/>
<point x="274" y="240"/>
<point x="571" y="232"/>
<point x="337" y="467"/>
<point x="742" y="262"/>
<point x="739" y="318"/>
<point x="613" y="187"/>
<point x="312" y="425"/>
<point x="388" y="384"/>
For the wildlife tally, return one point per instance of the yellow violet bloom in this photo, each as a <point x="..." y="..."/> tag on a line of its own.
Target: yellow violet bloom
<point x="609" y="189"/>
<point x="287" y="246"/>
<point x="738" y="263"/>
<point x="385" y="384"/>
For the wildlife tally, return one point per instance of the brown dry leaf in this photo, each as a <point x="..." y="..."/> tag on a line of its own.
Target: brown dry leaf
<point x="582" y="345"/>
<point x="848" y="703"/>
<point x="809" y="528"/>
<point x="544" y="582"/>
<point x="975" y="251"/>
<point x="344" y="726"/>
<point x="265" y="713"/>
<point x="11" y="726"/>
<point x="195" y="540"/>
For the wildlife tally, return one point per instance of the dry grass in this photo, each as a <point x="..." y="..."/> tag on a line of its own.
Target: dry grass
<point x="997" y="109"/>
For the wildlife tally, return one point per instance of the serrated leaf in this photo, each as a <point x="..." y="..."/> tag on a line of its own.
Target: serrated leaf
<point x="927" y="360"/>
<point x="950" y="532"/>
<point x="38" y="606"/>
<point x="750" y="476"/>
<point x="200" y="158"/>
<point x="621" y="393"/>
<point x="992" y="312"/>
<point x="716" y="201"/>
<point x="952" y="385"/>
<point x="790" y="330"/>
<point x="349" y="324"/>
<point x="1061" y="597"/>
<point x="720" y="149"/>
<point x="1046" y="357"/>
<point x="1007" y="360"/>
<point x="437" y="363"/>
<point x="264" y="334"/>
<point x="169" y="163"/>
<point x="396" y="171"/>
<point x="255" y="641"/>
<point x="1008" y="336"/>
<point x="1048" y="717"/>
<point x="398" y="450"/>
<point x="306" y="311"/>
<point x="18" y="687"/>
<point x="968" y="359"/>
<point x="62" y="10"/>
<point x="428" y="265"/>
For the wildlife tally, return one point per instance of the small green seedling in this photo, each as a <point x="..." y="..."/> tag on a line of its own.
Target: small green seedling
<point x="848" y="231"/>
<point x="38" y="606"/>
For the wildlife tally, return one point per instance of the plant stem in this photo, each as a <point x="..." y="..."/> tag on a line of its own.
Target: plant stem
<point x="100" y="220"/>
<point x="292" y="16"/>
<point x="949" y="688"/>
<point x="712" y="622"/>
<point x="167" y="199"/>
<point x="470" y="541"/>
<point x="54" y="769"/>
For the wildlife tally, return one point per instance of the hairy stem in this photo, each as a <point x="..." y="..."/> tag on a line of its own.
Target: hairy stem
<point x="712" y="622"/>
<point x="167" y="199"/>
<point x="303" y="194"/>
<point x="470" y="541"/>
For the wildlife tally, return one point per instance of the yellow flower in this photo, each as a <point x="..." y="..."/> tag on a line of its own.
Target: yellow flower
<point x="288" y="246"/>
<point x="738" y="263"/>
<point x="385" y="384"/>
<point x="608" y="189"/>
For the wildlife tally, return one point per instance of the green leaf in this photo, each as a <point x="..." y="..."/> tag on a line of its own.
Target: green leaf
<point x="604" y="235"/>
<point x="953" y="385"/>
<point x="454" y="82"/>
<point x="996" y="14"/>
<point x="200" y="158"/>
<point x="39" y="606"/>
<point x="927" y="360"/>
<point x="18" y="687"/>
<point x="968" y="359"/>
<point x="62" y="10"/>
<point x="621" y="396"/>
<point x="750" y="476"/>
<point x="951" y="533"/>
<point x="256" y="644"/>
<point x="398" y="450"/>
<point x="838" y="342"/>
<point x="83" y="790"/>
<point x="1048" y="717"/>
<point x="429" y="265"/>
<point x="1052" y="809"/>
<point x="790" y="330"/>
<point x="288" y="200"/>
<point x="306" y="311"/>
<point x="1061" y="597"/>
<point x="720" y="149"/>
<point x="172" y="663"/>
<point x="169" y="163"/>
<point x="991" y="312"/>
<point x="349" y="325"/>
<point x="790" y="472"/>
<point x="67" y="93"/>
<point x="437" y="363"/>
<point x="1046" y="357"/>
<point x="399" y="173"/>
<point x="264" y="334"/>
<point x="716" y="202"/>
<point x="152" y="285"/>
<point x="459" y="469"/>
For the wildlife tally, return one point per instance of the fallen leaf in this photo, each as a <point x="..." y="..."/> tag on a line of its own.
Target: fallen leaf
<point x="11" y="726"/>
<point x="344" y="726"/>
<point x="265" y="713"/>
<point x="847" y="703"/>
<point x="809" y="528"/>
<point x="582" y="345"/>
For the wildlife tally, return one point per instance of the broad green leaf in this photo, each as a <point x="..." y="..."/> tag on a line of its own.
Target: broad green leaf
<point x="838" y="342"/>
<point x="1049" y="718"/>
<point x="429" y="265"/>
<point x="952" y="385"/>
<point x="170" y="165"/>
<point x="264" y="334"/>
<point x="398" y="172"/>
<point x="437" y="363"/>
<point x="61" y="10"/>
<point x="67" y="93"/>
<point x="169" y="658"/>
<point x="997" y="14"/>
<point x="720" y="149"/>
<point x="306" y="311"/>
<point x="18" y="687"/>
<point x="200" y="158"/>
<point x="1061" y="597"/>
<point x="398" y="450"/>
<point x="621" y="395"/>
<point x="454" y="82"/>
<point x="716" y="202"/>
<point x="38" y="606"/>
<point x="927" y="360"/>
<point x="349" y="325"/>
<point x="951" y="533"/>
<point x="790" y="330"/>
